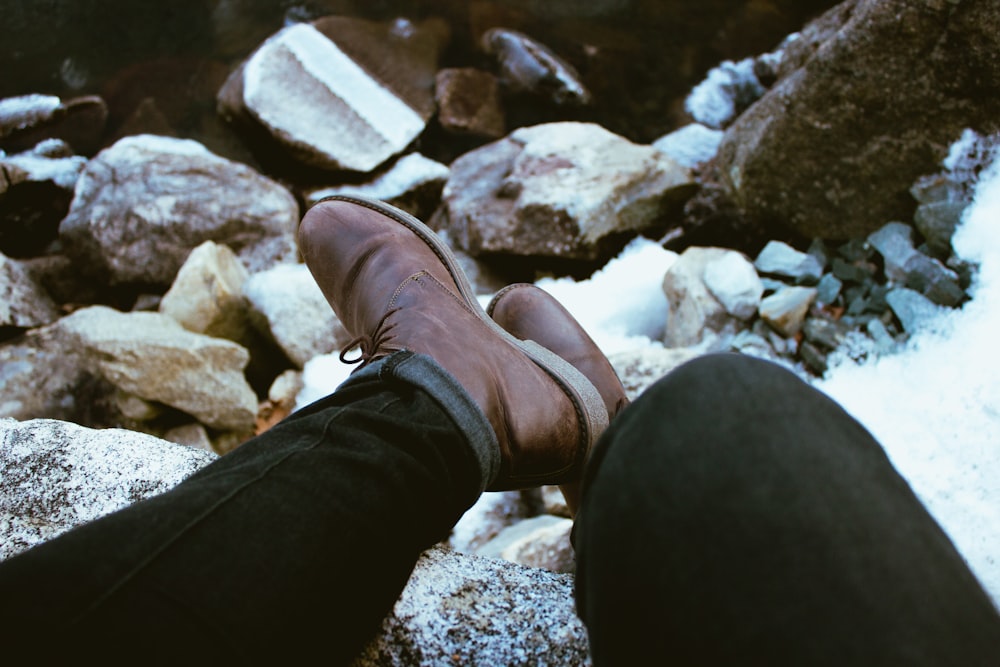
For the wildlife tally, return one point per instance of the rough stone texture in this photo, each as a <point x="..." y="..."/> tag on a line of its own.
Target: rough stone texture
<point x="152" y="356"/>
<point x="469" y="102"/>
<point x="55" y="475"/>
<point x="23" y="303"/>
<point x="695" y="315"/>
<point x="288" y="306"/>
<point x="40" y="376"/>
<point x="558" y="190"/>
<point x="785" y="310"/>
<point x="142" y="205"/>
<point x="207" y="294"/>
<point x="340" y="93"/>
<point x="906" y="265"/>
<point x="883" y="88"/>
<point x="413" y="183"/>
<point x="464" y="610"/>
<point x="456" y="608"/>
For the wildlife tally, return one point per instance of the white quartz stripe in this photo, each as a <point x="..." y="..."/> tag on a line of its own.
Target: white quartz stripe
<point x="380" y="108"/>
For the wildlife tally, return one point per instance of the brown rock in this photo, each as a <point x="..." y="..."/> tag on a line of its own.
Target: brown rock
<point x="469" y="102"/>
<point x="883" y="88"/>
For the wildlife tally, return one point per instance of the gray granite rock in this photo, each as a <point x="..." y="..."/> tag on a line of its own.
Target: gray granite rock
<point x="143" y="204"/>
<point x="461" y="609"/>
<point x="640" y="368"/>
<point x="55" y="475"/>
<point x="152" y="356"/>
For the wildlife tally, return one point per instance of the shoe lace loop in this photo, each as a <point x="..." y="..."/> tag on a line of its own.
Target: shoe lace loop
<point x="370" y="343"/>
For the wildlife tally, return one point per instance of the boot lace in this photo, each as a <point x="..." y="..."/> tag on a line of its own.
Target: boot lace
<point x="370" y="344"/>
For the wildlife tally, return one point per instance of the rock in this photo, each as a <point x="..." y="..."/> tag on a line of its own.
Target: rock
<point x="905" y="264"/>
<point x="691" y="145"/>
<point x="528" y="66"/>
<point x="36" y="188"/>
<point x="937" y="222"/>
<point x="23" y="303"/>
<point x="780" y="259"/>
<point x="828" y="289"/>
<point x="912" y="308"/>
<point x="27" y="120"/>
<point x="289" y="307"/>
<point x="638" y="369"/>
<point x="542" y="541"/>
<point x="340" y="93"/>
<point x="142" y="205"/>
<point x="206" y="297"/>
<point x="492" y="513"/>
<point x="894" y="241"/>
<point x="558" y="190"/>
<point x="695" y="315"/>
<point x="833" y="155"/>
<point x="190" y="435"/>
<point x="468" y="102"/>
<point x="55" y="476"/>
<point x="824" y="333"/>
<point x="455" y="609"/>
<point x="554" y="502"/>
<point x="785" y="310"/>
<point x="413" y="183"/>
<point x="41" y="376"/>
<point x="734" y="283"/>
<point x="461" y="609"/>
<point x="152" y="356"/>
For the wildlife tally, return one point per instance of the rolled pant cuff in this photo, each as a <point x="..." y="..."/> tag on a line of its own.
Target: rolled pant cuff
<point x="422" y="372"/>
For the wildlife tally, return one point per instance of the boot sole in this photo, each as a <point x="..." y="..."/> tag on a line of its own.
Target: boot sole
<point x="591" y="412"/>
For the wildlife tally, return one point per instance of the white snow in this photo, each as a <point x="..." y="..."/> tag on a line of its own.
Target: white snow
<point x="726" y="89"/>
<point x="690" y="145"/>
<point x="935" y="405"/>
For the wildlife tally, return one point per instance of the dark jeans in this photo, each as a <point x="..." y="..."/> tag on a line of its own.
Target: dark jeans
<point x="732" y="514"/>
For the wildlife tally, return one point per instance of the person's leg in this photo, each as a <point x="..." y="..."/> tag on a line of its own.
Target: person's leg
<point x="735" y="515"/>
<point x="296" y="544"/>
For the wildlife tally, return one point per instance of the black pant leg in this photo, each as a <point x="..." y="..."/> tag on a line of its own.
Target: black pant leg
<point x="735" y="515"/>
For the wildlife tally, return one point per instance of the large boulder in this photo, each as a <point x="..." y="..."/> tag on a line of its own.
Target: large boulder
<point x="340" y="93"/>
<point x="558" y="190"/>
<point x="456" y="608"/>
<point x="151" y="356"/>
<point x="869" y="98"/>
<point x="142" y="205"/>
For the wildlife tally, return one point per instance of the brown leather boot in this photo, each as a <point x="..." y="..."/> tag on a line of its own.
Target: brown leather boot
<point x="396" y="286"/>
<point x="530" y="313"/>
